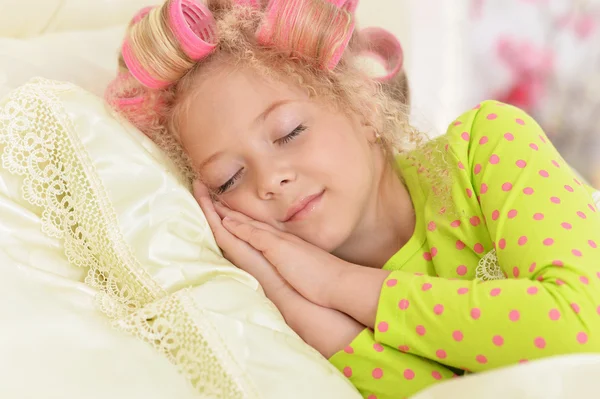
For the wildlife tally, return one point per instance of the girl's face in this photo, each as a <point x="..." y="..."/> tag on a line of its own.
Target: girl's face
<point x="274" y="154"/>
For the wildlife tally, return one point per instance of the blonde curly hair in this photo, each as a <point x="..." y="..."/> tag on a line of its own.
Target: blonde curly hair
<point x="312" y="43"/>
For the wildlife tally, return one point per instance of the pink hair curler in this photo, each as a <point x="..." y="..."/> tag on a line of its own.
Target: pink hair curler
<point x="126" y="96"/>
<point x="141" y="14"/>
<point x="384" y="46"/>
<point x="284" y="14"/>
<point x="348" y="5"/>
<point x="250" y="3"/>
<point x="194" y="27"/>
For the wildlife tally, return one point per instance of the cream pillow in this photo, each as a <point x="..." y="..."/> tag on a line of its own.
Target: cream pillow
<point x="26" y="18"/>
<point x="115" y="215"/>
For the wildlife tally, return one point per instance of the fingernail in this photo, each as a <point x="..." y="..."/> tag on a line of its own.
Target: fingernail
<point x="227" y="219"/>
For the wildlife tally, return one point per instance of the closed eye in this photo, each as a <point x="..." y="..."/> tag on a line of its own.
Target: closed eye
<point x="292" y="135"/>
<point x="286" y="139"/>
<point x="221" y="189"/>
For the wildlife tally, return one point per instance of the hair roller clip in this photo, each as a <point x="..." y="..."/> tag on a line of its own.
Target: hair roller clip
<point x="384" y="46"/>
<point x="290" y="25"/>
<point x="193" y="28"/>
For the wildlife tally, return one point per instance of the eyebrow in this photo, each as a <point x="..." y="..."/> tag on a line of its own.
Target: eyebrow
<point x="272" y="108"/>
<point x="260" y="117"/>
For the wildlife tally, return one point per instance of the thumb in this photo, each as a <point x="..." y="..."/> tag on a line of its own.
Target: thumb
<point x="199" y="190"/>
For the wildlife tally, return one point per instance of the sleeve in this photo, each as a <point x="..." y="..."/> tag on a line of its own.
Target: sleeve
<point x="546" y="232"/>
<point x="382" y="372"/>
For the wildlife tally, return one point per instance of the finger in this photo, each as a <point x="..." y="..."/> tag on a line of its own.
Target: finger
<point x="261" y="239"/>
<point x="224" y="211"/>
<point x="199" y="190"/>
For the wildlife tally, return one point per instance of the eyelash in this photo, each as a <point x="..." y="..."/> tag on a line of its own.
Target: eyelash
<point x="284" y="140"/>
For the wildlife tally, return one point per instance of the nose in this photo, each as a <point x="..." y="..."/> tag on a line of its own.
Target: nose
<point x="274" y="179"/>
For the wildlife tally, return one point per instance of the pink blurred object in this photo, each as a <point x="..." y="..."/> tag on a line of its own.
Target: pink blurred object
<point x="531" y="67"/>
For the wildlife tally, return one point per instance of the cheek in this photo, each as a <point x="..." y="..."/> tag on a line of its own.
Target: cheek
<point x="244" y="200"/>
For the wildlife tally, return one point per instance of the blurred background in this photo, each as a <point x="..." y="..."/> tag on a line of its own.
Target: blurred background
<point x="541" y="55"/>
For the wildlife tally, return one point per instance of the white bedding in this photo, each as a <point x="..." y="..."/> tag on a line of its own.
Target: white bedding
<point x="231" y="342"/>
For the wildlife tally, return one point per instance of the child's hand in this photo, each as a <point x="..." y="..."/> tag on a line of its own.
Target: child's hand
<point x="326" y="330"/>
<point x="310" y="270"/>
<point x="240" y="253"/>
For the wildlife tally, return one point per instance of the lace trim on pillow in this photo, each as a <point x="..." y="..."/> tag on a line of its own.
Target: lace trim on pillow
<point x="40" y="144"/>
<point x="165" y="324"/>
<point x="488" y="268"/>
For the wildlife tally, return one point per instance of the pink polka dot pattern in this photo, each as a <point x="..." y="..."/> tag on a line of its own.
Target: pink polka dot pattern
<point x="478" y="248"/>
<point x="458" y="335"/>
<point x="403" y="304"/>
<point x="349" y="350"/>
<point x="383" y="326"/>
<point x="540" y="343"/>
<point x="347" y="372"/>
<point x="532" y="290"/>
<point x="538" y="216"/>
<point x="511" y="192"/>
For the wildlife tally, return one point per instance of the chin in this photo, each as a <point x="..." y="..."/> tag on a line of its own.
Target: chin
<point x="327" y="238"/>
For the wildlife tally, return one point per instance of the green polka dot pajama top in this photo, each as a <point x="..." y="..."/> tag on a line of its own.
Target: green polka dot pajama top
<point x="507" y="270"/>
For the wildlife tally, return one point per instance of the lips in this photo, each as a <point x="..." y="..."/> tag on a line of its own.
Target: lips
<point x="302" y="206"/>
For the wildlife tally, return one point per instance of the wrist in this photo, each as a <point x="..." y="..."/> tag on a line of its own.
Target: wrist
<point x="357" y="292"/>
